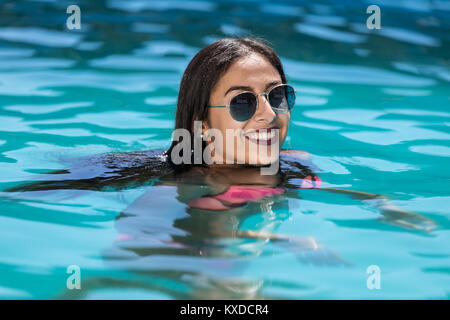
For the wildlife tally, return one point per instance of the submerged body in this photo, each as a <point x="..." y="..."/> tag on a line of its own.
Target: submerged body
<point x="204" y="212"/>
<point x="218" y="188"/>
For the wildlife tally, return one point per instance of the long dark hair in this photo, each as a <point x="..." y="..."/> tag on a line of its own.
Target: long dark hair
<point x="203" y="73"/>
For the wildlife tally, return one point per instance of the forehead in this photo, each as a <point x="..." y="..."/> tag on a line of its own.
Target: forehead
<point x="253" y="70"/>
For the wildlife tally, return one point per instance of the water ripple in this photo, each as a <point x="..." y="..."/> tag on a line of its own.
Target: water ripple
<point x="40" y="36"/>
<point x="327" y="33"/>
<point x="351" y="74"/>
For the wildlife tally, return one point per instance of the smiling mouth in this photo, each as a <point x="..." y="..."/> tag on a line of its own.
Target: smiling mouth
<point x="265" y="136"/>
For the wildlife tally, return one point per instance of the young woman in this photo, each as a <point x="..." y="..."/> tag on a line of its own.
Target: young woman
<point x="235" y="84"/>
<point x="228" y="212"/>
<point x="239" y="84"/>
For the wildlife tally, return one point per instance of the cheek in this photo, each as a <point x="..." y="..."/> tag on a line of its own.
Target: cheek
<point x="288" y="121"/>
<point x="223" y="120"/>
<point x="285" y="121"/>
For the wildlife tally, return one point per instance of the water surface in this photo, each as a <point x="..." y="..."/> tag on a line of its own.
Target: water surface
<point x="373" y="110"/>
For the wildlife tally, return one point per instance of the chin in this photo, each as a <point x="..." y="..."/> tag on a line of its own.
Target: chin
<point x="264" y="160"/>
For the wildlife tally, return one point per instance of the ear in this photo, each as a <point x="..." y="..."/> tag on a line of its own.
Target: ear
<point x="196" y="129"/>
<point x="205" y="126"/>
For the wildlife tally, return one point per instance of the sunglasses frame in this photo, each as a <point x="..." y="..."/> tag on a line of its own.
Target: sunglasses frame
<point x="266" y="94"/>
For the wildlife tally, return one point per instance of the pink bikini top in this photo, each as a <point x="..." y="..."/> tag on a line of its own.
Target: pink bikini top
<point x="237" y="196"/>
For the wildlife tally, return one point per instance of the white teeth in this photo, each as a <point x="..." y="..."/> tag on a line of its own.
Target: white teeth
<point x="262" y="135"/>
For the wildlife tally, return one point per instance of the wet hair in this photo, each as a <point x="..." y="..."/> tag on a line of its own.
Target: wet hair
<point x="201" y="76"/>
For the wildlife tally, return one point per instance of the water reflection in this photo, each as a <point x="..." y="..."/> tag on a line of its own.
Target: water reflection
<point x="209" y="250"/>
<point x="204" y="239"/>
<point x="372" y="109"/>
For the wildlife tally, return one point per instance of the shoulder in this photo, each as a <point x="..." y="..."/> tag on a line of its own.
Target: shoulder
<point x="296" y="154"/>
<point x="295" y="157"/>
<point x="291" y="159"/>
<point x="299" y="169"/>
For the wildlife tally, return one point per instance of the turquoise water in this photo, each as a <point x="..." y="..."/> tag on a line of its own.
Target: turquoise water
<point x="373" y="110"/>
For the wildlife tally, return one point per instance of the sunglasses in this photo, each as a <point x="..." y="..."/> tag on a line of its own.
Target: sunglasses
<point x="244" y="105"/>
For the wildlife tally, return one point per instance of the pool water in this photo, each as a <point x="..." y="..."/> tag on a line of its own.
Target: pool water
<point x="373" y="110"/>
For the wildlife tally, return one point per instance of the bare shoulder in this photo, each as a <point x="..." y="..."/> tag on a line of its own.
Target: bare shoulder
<point x="299" y="154"/>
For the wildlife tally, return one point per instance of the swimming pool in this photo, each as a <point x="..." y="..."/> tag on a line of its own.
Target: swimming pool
<point x="372" y="109"/>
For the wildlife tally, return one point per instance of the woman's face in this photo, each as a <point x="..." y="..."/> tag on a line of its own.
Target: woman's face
<point x="251" y="73"/>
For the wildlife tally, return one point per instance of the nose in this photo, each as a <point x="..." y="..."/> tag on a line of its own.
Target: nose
<point x="264" y="113"/>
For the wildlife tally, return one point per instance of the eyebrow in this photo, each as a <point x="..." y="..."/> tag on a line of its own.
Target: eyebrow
<point x="247" y="88"/>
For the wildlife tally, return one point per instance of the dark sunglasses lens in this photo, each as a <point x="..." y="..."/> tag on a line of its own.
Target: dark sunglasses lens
<point x="282" y="98"/>
<point x="243" y="106"/>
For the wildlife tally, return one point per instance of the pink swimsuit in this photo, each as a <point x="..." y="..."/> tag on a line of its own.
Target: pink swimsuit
<point x="237" y="196"/>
